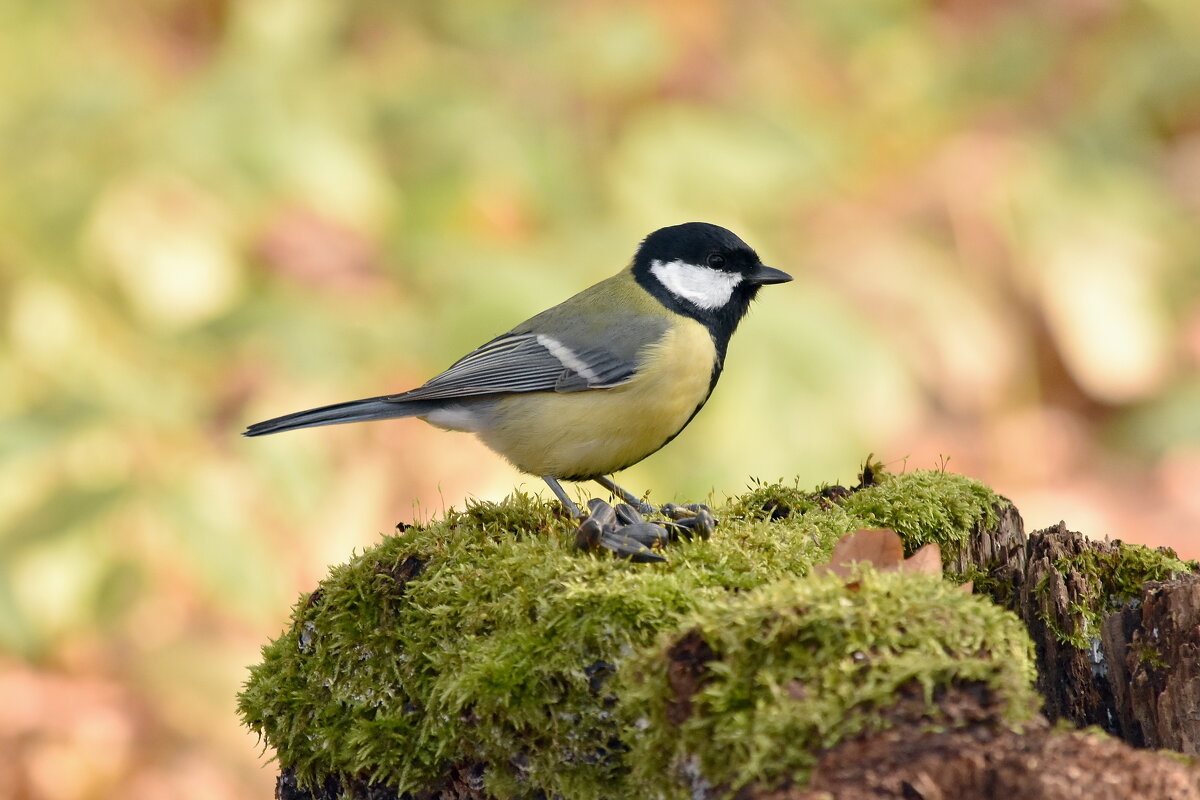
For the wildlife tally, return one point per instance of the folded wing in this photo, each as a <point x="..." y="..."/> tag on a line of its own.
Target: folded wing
<point x="525" y="362"/>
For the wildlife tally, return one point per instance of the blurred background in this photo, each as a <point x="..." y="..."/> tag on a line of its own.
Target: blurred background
<point x="213" y="212"/>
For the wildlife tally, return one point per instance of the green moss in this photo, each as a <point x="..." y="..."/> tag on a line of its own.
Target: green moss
<point x="1116" y="573"/>
<point x="1151" y="657"/>
<point x="777" y="501"/>
<point x="926" y="506"/>
<point x="1124" y="569"/>
<point x="486" y="638"/>
<point x="799" y="665"/>
<point x="922" y="506"/>
<point x="986" y="583"/>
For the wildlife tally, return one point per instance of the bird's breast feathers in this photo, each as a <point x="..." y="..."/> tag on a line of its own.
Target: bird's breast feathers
<point x="590" y="433"/>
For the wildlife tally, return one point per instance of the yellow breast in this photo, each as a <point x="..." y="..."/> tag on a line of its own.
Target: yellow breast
<point x="586" y="434"/>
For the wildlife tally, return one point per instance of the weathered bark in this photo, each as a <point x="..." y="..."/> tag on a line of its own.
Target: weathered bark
<point x="1138" y="675"/>
<point x="1073" y="681"/>
<point x="1153" y="656"/>
<point x="1000" y="551"/>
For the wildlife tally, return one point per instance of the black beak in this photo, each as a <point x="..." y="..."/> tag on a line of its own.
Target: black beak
<point x="763" y="274"/>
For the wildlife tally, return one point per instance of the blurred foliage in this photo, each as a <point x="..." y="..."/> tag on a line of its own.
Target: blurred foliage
<point x="213" y="212"/>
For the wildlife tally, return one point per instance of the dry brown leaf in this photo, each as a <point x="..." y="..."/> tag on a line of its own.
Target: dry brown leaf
<point x="882" y="548"/>
<point x="926" y="561"/>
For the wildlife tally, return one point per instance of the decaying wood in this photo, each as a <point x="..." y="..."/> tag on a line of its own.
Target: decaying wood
<point x="1139" y="675"/>
<point x="1153" y="655"/>
<point x="1074" y="682"/>
<point x="999" y="550"/>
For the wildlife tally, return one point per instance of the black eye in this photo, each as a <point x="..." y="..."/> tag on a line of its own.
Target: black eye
<point x="716" y="260"/>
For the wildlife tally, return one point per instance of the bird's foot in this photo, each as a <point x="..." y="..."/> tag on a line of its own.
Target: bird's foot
<point x="622" y="530"/>
<point x="625" y="531"/>
<point x="692" y="519"/>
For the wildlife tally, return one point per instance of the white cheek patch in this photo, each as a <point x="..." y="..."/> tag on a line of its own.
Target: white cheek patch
<point x="702" y="286"/>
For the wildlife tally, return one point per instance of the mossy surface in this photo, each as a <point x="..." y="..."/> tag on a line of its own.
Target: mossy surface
<point x="922" y="506"/>
<point x="797" y="666"/>
<point x="486" y="638"/>
<point x="1116" y="572"/>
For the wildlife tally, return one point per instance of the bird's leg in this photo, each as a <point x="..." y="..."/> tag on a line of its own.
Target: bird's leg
<point x="601" y="528"/>
<point x="626" y="495"/>
<point x="687" y="520"/>
<point x="561" y="494"/>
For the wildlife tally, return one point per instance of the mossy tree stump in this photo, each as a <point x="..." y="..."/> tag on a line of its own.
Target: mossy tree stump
<point x="482" y="656"/>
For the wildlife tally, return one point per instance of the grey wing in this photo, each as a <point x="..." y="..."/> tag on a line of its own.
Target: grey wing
<point x="526" y="362"/>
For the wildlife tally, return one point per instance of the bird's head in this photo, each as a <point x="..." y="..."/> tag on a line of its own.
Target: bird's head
<point x="703" y="271"/>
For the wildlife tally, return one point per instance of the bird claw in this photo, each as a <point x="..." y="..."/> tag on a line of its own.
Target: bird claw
<point x="687" y="510"/>
<point x="623" y="530"/>
<point x="629" y="547"/>
<point x="587" y="535"/>
<point x="691" y="519"/>
<point x="620" y="530"/>
<point x="648" y="534"/>
<point x="627" y="514"/>
<point x="602" y="512"/>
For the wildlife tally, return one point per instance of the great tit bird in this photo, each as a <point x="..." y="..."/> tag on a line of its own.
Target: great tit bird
<point x="600" y="381"/>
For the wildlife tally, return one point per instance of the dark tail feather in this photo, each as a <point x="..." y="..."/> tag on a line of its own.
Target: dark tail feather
<point x="354" y="411"/>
